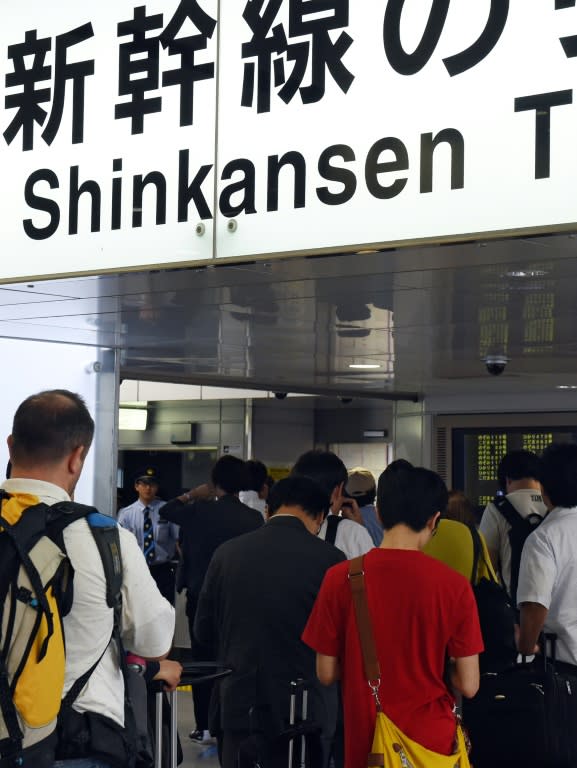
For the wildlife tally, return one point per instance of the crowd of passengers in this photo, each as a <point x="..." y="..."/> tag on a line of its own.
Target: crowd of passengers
<point x="265" y="570"/>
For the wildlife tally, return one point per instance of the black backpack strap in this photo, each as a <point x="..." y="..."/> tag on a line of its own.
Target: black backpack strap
<point x="35" y="581"/>
<point x="105" y="533"/>
<point x="15" y="735"/>
<point x="479" y="556"/>
<point x="508" y="511"/>
<point x="333" y="522"/>
<point x="476" y="553"/>
<point x="520" y="529"/>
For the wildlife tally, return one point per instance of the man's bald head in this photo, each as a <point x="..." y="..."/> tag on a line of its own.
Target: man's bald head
<point x="48" y="427"/>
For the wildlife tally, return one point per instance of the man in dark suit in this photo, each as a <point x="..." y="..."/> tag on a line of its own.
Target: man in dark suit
<point x="257" y="595"/>
<point x="208" y="516"/>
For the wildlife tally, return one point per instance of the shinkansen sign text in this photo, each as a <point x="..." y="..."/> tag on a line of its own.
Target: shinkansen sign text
<point x="336" y="124"/>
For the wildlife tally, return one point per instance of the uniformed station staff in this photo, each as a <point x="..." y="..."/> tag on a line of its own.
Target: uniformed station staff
<point x="156" y="537"/>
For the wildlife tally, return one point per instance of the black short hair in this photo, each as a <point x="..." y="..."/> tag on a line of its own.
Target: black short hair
<point x="323" y="466"/>
<point x="257" y="474"/>
<point x="50" y="425"/>
<point x="229" y="474"/>
<point x="558" y="474"/>
<point x="517" y="465"/>
<point x="410" y="497"/>
<point x="398" y="464"/>
<point x="299" y="491"/>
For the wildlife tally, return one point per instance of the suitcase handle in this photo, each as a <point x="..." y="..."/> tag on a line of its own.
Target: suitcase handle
<point x="196" y="672"/>
<point x="173" y="702"/>
<point x="549" y="637"/>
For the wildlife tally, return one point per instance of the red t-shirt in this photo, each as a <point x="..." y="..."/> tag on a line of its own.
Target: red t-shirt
<point x="421" y="612"/>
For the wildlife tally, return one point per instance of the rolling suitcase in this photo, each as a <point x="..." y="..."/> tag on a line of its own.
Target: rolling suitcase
<point x="159" y="730"/>
<point x="297" y="746"/>
<point x="193" y="673"/>
<point x="524" y="716"/>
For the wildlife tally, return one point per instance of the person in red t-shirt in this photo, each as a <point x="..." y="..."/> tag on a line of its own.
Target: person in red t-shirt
<point x="424" y="619"/>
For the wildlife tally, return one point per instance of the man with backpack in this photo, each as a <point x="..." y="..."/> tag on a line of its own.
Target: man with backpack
<point x="513" y="515"/>
<point x="100" y="596"/>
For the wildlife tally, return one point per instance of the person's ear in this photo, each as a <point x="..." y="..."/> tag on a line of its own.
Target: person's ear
<point x="76" y="460"/>
<point x="434" y="522"/>
<point x="10" y="443"/>
<point x="337" y="493"/>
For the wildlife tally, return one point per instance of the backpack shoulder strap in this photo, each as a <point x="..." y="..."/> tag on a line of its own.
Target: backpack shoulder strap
<point x="105" y="532"/>
<point x="508" y="511"/>
<point x="476" y="553"/>
<point x="333" y="522"/>
<point x="518" y="526"/>
<point x="107" y="539"/>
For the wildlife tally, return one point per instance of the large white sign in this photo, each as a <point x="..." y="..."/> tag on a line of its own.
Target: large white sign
<point x="107" y="134"/>
<point x="349" y="123"/>
<point x="337" y="124"/>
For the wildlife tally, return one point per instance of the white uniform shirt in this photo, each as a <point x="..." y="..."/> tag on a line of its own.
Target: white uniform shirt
<point x="352" y="538"/>
<point x="165" y="533"/>
<point x="495" y="528"/>
<point x="253" y="500"/>
<point x="147" y="618"/>
<point x="548" y="576"/>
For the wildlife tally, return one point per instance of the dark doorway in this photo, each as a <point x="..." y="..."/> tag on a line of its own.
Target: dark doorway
<point x="168" y="464"/>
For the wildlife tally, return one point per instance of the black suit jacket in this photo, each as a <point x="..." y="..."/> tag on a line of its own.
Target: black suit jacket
<point x="257" y="596"/>
<point x="204" y="526"/>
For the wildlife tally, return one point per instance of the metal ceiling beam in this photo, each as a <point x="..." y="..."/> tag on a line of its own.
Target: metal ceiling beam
<point x="228" y="382"/>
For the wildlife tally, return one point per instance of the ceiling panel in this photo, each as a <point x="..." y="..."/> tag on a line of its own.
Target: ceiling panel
<point x="427" y="316"/>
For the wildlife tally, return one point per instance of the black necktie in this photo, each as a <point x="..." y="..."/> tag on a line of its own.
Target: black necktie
<point x="148" y="544"/>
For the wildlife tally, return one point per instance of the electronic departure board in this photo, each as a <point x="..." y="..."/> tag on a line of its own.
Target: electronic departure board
<point x="477" y="453"/>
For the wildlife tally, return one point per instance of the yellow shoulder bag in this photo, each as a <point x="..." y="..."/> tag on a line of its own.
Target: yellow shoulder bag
<point x="391" y="747"/>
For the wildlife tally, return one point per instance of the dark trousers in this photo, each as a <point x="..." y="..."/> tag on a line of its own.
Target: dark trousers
<point x="163" y="575"/>
<point x="200" y="693"/>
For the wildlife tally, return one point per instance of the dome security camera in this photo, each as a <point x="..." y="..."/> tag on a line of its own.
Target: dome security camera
<point x="280" y="395"/>
<point x="495" y="364"/>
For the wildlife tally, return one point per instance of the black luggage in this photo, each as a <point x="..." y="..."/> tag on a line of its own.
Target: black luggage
<point x="166" y="755"/>
<point x="297" y="746"/>
<point x="165" y="741"/>
<point x="525" y="716"/>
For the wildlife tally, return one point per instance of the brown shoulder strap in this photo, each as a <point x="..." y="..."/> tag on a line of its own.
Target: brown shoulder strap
<point x="364" y="625"/>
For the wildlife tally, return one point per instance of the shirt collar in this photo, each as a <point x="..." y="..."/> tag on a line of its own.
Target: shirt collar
<point x="290" y="519"/>
<point x="45" y="491"/>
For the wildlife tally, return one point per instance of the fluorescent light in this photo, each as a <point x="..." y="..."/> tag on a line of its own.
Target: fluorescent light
<point x="364" y="366"/>
<point x="566" y="386"/>
<point x="527" y="273"/>
<point x="132" y="418"/>
<point x="376" y="433"/>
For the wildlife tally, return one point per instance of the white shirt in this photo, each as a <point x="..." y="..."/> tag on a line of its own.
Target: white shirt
<point x="352" y="538"/>
<point x="548" y="576"/>
<point x="495" y="529"/>
<point x="147" y="618"/>
<point x="253" y="500"/>
<point x="165" y="533"/>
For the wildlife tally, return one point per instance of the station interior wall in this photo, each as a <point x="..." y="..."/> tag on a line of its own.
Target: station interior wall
<point x="274" y="431"/>
<point x="32" y="366"/>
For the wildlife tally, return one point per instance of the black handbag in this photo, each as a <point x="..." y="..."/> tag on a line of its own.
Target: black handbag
<point x="525" y="716"/>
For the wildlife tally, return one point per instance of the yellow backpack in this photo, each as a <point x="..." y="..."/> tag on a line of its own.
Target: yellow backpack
<point x="35" y="594"/>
